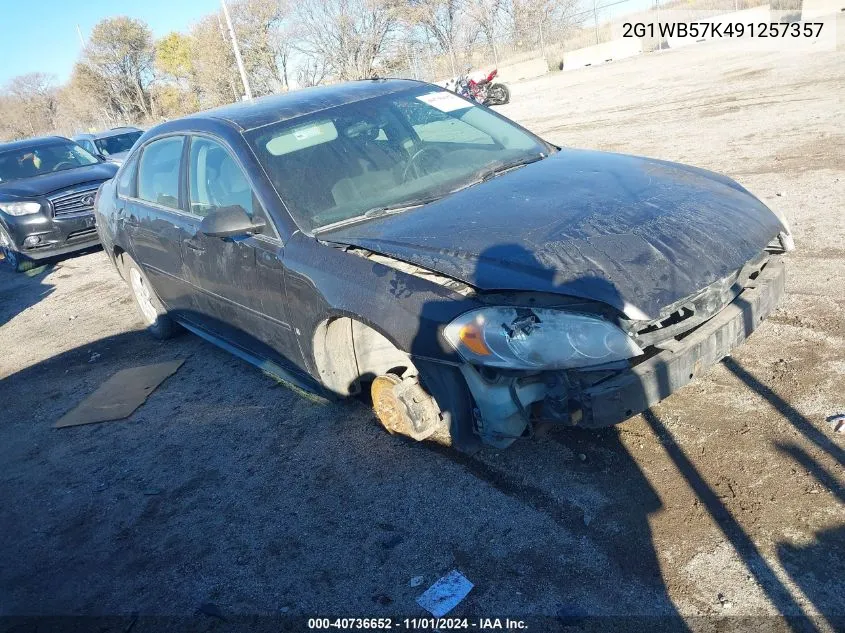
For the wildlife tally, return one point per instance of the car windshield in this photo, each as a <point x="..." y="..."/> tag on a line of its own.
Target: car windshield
<point x="383" y="155"/>
<point x="28" y="162"/>
<point x="117" y="143"/>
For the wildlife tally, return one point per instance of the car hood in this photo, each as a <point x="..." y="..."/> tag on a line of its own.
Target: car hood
<point x="636" y="233"/>
<point x="47" y="183"/>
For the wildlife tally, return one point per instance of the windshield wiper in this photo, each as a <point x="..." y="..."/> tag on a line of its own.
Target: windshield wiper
<point x="500" y="169"/>
<point x="379" y="212"/>
<point x="491" y="173"/>
<point x="390" y="209"/>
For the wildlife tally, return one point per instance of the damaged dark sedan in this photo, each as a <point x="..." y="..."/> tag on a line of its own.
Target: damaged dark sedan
<point x="390" y="237"/>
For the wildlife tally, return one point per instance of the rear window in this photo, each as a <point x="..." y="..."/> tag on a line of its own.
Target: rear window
<point x="118" y="143"/>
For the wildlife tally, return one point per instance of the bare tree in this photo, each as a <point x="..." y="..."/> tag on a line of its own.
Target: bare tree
<point x="487" y="15"/>
<point x="14" y="122"/>
<point x="311" y="71"/>
<point x="535" y="22"/>
<point x="447" y="22"/>
<point x="36" y="93"/>
<point x="347" y="37"/>
<point x="213" y="72"/>
<point x="81" y="106"/>
<point x="120" y="53"/>
<point x="264" y="40"/>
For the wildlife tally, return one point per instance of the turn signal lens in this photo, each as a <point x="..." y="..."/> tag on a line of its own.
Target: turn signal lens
<point x="471" y="336"/>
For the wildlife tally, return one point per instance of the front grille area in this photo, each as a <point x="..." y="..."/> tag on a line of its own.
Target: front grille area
<point x="681" y="318"/>
<point x="76" y="201"/>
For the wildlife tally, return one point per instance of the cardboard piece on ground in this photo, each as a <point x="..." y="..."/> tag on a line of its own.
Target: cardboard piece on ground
<point x="120" y="395"/>
<point x="445" y="594"/>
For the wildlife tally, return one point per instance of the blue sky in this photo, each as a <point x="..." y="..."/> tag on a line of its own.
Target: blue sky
<point x="40" y="35"/>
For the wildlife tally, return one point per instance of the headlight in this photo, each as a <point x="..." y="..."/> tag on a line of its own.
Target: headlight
<point x="537" y="338"/>
<point x="20" y="208"/>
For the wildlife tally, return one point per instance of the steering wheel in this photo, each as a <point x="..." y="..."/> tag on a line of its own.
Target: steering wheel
<point x="412" y="162"/>
<point x="65" y="164"/>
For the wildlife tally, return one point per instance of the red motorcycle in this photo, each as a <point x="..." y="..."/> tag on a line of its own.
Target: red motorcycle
<point x="483" y="89"/>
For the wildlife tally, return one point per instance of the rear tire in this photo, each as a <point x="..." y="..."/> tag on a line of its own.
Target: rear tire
<point x="150" y="308"/>
<point x="499" y="94"/>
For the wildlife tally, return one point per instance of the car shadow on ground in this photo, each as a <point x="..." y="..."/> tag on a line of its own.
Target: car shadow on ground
<point x="301" y="500"/>
<point x="20" y="291"/>
<point x="17" y="290"/>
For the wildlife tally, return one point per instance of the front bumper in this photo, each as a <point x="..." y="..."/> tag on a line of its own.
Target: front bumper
<point x="56" y="236"/>
<point x="646" y="384"/>
<point x="506" y="406"/>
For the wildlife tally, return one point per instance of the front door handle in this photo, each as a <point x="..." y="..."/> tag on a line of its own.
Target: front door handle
<point x="268" y="259"/>
<point x="194" y="246"/>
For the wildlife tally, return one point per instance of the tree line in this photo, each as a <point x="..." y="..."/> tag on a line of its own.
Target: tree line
<point x="124" y="75"/>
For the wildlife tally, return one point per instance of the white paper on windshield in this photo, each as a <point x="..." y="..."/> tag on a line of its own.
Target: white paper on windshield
<point x="444" y="101"/>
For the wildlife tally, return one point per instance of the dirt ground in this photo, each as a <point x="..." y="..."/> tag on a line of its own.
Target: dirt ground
<point x="727" y="499"/>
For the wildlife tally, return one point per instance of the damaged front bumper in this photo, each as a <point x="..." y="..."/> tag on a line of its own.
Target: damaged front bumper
<point x="506" y="406"/>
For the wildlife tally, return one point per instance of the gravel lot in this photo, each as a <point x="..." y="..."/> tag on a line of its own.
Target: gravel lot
<point x="225" y="488"/>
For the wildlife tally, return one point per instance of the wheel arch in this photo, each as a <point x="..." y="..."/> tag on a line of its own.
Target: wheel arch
<point x="119" y="262"/>
<point x="346" y="350"/>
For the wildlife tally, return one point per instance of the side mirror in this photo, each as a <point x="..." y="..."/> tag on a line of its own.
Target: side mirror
<point x="230" y="222"/>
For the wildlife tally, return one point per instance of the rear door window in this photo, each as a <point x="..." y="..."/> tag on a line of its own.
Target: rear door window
<point x="158" y="172"/>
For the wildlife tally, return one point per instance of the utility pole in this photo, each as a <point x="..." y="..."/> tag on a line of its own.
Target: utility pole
<point x="659" y="36"/>
<point x="237" y="49"/>
<point x="596" y="21"/>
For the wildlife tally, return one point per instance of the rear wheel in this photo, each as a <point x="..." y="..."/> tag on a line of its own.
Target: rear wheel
<point x="152" y="312"/>
<point x="498" y="94"/>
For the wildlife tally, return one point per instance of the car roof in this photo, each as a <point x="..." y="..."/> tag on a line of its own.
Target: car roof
<point x="26" y="143"/>
<point x="281" y="107"/>
<point x="116" y="131"/>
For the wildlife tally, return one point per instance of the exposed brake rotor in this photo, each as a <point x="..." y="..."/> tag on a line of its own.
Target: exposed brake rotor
<point x="403" y="406"/>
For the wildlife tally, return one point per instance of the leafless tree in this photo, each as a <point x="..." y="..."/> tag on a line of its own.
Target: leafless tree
<point x="36" y="93"/>
<point x="213" y="71"/>
<point x="533" y="22"/>
<point x="120" y="54"/>
<point x="487" y="16"/>
<point x="346" y="36"/>
<point x="311" y="71"/>
<point x="261" y="27"/>
<point x="447" y="22"/>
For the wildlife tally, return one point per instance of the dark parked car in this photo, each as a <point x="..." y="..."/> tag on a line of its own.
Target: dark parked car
<point x="476" y="278"/>
<point x="47" y="189"/>
<point x="111" y="145"/>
